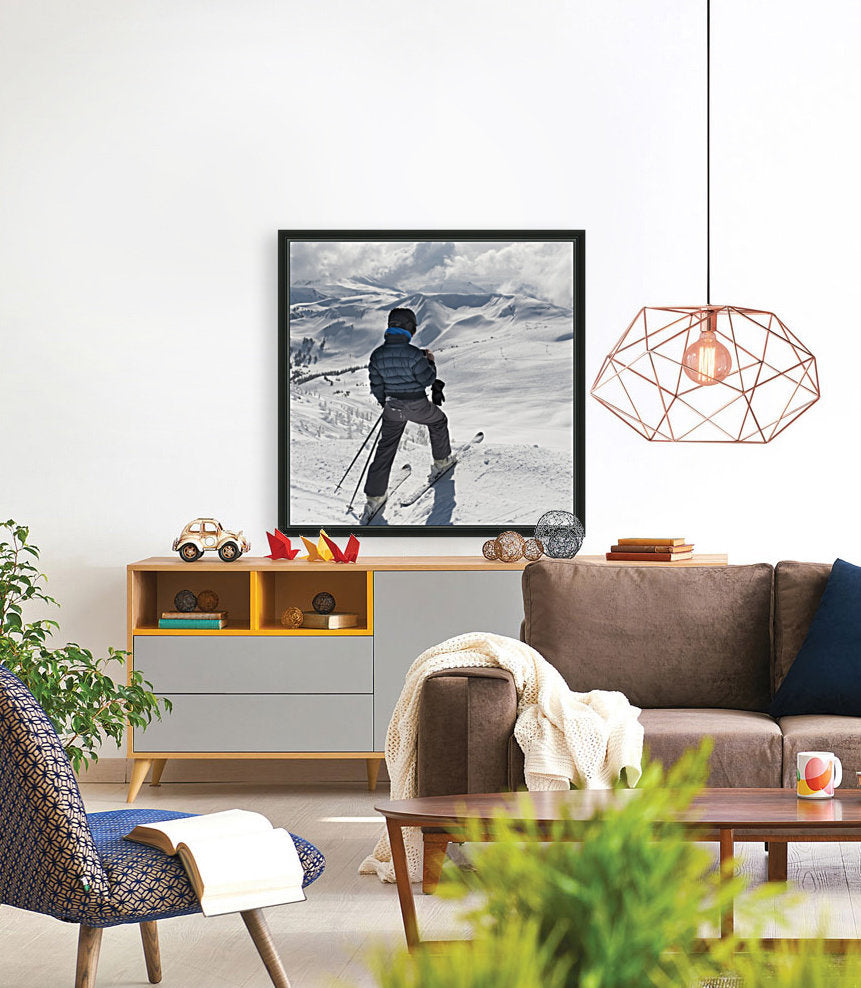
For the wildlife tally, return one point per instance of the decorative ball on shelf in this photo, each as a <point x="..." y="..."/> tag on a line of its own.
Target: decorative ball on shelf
<point x="292" y="617"/>
<point x="561" y="533"/>
<point x="533" y="549"/>
<point x="207" y="600"/>
<point x="509" y="547"/>
<point x="488" y="550"/>
<point x="185" y="600"/>
<point x="323" y="602"/>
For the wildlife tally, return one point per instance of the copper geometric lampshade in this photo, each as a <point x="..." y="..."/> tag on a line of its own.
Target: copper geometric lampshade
<point x="711" y="373"/>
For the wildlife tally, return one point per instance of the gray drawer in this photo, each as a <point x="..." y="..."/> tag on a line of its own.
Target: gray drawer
<point x="220" y="722"/>
<point x="256" y="664"/>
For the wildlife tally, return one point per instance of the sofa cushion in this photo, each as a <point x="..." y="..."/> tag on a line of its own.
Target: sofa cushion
<point x="748" y="748"/>
<point x="826" y="675"/>
<point x="798" y="589"/>
<point x="822" y="732"/>
<point x="687" y="637"/>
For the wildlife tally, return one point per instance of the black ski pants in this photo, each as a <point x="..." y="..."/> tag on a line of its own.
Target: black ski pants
<point x="396" y="414"/>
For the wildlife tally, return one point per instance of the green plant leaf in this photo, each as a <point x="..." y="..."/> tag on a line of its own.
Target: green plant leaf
<point x="72" y="686"/>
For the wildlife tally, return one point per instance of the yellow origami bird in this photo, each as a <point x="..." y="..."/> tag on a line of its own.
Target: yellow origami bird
<point x="319" y="553"/>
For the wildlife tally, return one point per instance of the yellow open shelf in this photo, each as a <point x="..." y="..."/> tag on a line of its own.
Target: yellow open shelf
<point x="273" y="592"/>
<point x="254" y="599"/>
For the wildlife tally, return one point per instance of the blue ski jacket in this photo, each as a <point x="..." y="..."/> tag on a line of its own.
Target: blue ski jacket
<point x="397" y="369"/>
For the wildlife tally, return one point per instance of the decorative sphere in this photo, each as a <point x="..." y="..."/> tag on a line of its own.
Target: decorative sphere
<point x="292" y="617"/>
<point x="323" y="602"/>
<point x="488" y="550"/>
<point x="533" y="549"/>
<point x="509" y="547"/>
<point x="207" y="600"/>
<point x="561" y="533"/>
<point x="185" y="600"/>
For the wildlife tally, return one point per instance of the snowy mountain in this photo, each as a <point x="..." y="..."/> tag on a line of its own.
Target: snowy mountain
<point x="506" y="359"/>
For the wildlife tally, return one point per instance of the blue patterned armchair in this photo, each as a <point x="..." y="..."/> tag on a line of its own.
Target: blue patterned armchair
<point x="56" y="859"/>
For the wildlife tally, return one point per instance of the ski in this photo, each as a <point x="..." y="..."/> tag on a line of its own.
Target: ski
<point x="459" y="454"/>
<point x="400" y="477"/>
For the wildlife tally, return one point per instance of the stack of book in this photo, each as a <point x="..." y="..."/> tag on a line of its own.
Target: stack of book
<point x="651" y="550"/>
<point x="193" y="619"/>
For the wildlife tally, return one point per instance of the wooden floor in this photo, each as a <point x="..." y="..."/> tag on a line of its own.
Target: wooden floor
<point x="325" y="940"/>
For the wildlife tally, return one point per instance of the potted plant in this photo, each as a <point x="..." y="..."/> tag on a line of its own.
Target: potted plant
<point x="83" y="702"/>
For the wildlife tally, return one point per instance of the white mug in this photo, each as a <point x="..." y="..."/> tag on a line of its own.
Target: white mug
<point x="818" y="774"/>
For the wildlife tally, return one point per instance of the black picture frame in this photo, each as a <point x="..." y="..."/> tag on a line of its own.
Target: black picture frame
<point x="287" y="237"/>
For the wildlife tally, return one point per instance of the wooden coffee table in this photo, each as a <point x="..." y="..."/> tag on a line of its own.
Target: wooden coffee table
<point x="776" y="816"/>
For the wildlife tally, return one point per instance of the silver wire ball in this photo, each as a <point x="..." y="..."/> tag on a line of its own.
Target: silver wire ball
<point x="561" y="533"/>
<point x="323" y="602"/>
<point x="185" y="601"/>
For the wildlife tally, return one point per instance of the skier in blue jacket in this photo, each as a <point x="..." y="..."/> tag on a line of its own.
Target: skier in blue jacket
<point x="400" y="375"/>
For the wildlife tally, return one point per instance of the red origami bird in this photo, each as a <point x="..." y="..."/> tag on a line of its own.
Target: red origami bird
<point x="348" y="555"/>
<point x="279" y="546"/>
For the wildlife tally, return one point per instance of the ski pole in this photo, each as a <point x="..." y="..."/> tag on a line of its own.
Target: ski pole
<point x="364" y="470"/>
<point x="358" y="452"/>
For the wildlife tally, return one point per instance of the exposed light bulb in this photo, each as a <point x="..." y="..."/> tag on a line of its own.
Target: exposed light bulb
<point x="707" y="361"/>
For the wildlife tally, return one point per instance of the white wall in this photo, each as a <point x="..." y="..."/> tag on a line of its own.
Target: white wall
<point x="150" y="150"/>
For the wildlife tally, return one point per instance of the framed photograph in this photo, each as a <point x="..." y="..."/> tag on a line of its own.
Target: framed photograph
<point x="430" y="381"/>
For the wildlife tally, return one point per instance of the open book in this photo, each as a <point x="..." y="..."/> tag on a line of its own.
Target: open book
<point x="234" y="859"/>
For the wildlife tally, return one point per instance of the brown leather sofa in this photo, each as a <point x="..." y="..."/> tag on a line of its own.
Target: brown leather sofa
<point x="700" y="649"/>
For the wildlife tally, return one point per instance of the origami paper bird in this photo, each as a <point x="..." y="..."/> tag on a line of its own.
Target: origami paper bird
<point x="319" y="553"/>
<point x="279" y="546"/>
<point x="326" y="550"/>
<point x="347" y="555"/>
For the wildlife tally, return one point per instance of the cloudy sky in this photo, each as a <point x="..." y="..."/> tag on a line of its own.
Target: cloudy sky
<point x="543" y="270"/>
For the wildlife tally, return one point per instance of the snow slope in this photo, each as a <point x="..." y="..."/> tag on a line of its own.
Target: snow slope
<point x="479" y="491"/>
<point x="507" y="361"/>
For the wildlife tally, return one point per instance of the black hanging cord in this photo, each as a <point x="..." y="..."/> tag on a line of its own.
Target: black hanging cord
<point x="708" y="152"/>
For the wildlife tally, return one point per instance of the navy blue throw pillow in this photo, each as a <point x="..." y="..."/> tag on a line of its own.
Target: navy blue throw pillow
<point x="825" y="677"/>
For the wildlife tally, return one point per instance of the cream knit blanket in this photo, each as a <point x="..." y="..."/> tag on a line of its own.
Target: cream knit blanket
<point x="587" y="739"/>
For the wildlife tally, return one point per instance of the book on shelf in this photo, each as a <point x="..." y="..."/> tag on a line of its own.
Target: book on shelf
<point x="651" y="541"/>
<point x="313" y="620"/>
<point x="235" y="859"/>
<point x="191" y="622"/>
<point x="649" y="557"/>
<point x="621" y="547"/>
<point x="194" y="615"/>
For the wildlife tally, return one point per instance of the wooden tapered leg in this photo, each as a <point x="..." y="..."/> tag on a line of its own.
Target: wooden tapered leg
<point x="158" y="765"/>
<point x="259" y="930"/>
<point x="89" y="942"/>
<point x="149" y="935"/>
<point x="140" y="767"/>
<point x="727" y="850"/>
<point x="777" y="861"/>
<point x="402" y="877"/>
<point x="435" y="846"/>
<point x="373" y="767"/>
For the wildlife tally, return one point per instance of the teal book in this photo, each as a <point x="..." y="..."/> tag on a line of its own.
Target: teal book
<point x="190" y="622"/>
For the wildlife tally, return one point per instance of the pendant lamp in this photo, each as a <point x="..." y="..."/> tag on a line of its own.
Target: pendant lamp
<point x="707" y="373"/>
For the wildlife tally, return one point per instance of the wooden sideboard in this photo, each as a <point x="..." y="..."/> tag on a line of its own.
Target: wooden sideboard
<point x="258" y="690"/>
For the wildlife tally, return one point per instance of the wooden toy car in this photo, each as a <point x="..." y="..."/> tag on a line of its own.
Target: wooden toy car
<point x="204" y="535"/>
